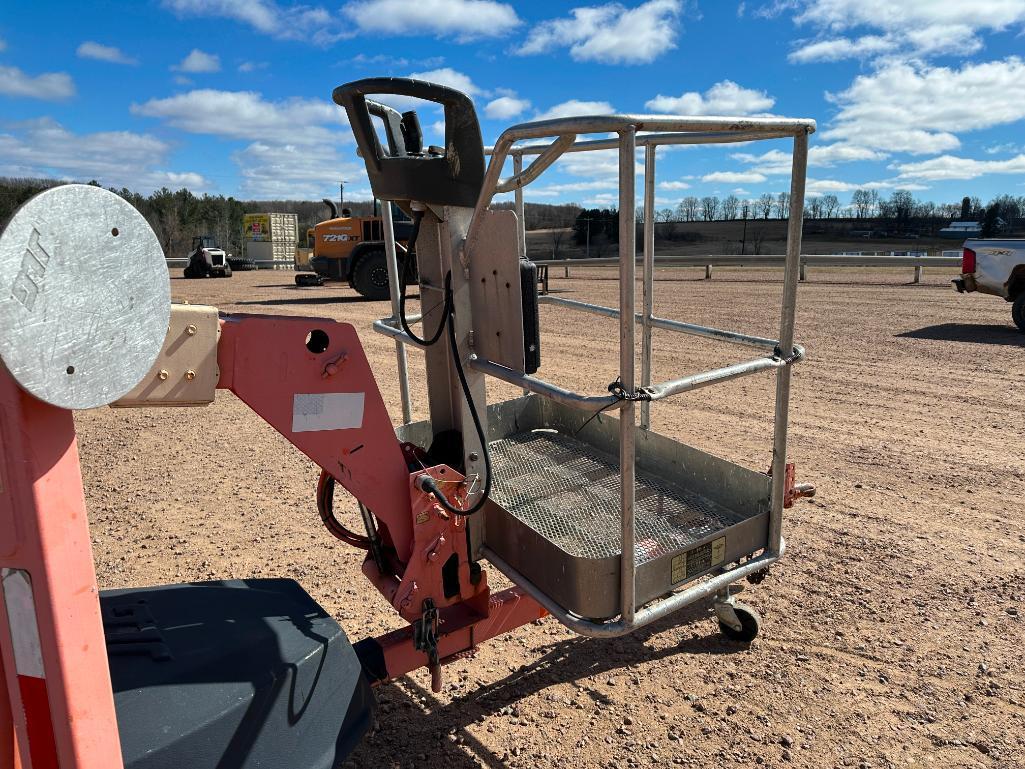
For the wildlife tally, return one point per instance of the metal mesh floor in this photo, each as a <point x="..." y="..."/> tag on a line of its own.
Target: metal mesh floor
<point x="568" y="491"/>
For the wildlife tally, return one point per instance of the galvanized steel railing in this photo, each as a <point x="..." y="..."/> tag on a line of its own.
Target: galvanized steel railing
<point x="648" y="132"/>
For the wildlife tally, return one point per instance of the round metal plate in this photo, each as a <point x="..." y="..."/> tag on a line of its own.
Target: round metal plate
<point x="85" y="296"/>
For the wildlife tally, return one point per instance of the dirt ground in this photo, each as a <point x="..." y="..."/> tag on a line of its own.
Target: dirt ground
<point x="893" y="628"/>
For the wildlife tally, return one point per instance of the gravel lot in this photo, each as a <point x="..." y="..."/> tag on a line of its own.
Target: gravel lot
<point x="892" y="630"/>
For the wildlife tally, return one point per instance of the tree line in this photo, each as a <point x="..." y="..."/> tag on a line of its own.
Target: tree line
<point x="900" y="208"/>
<point x="177" y="216"/>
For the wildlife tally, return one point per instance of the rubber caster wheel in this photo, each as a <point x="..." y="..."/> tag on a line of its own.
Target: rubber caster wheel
<point x="750" y="620"/>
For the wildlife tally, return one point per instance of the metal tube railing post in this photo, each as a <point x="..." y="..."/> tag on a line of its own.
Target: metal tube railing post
<point x="627" y="289"/>
<point x="395" y="289"/>
<point x="521" y="221"/>
<point x="786" y="338"/>
<point x="649" y="278"/>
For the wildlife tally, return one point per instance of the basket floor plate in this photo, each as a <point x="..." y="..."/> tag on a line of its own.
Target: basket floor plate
<point x="568" y="491"/>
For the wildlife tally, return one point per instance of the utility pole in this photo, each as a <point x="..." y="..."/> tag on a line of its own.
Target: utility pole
<point x="341" y="191"/>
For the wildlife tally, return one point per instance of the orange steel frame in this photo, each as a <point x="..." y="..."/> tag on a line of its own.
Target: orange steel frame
<point x="57" y="706"/>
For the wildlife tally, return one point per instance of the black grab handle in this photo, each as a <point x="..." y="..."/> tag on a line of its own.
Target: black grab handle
<point x="405" y="172"/>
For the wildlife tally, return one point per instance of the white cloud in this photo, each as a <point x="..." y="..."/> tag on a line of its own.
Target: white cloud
<point x="998" y="149"/>
<point x="948" y="167"/>
<point x="293" y="22"/>
<point x="835" y="49"/>
<point x="778" y="162"/>
<point x="723" y="98"/>
<point x="558" y="190"/>
<point x="919" y="109"/>
<point x="251" y="66"/>
<point x="199" y="61"/>
<point x="50" y="86"/>
<point x="93" y="50"/>
<point x="611" y="33"/>
<point x="291" y="172"/>
<point x="246" y="115"/>
<point x="461" y="19"/>
<point x="734" y="177"/>
<point x="44" y="148"/>
<point x="843" y="14"/>
<point x="673" y="185"/>
<point x="913" y="28"/>
<point x="908" y="43"/>
<point x="574" y="108"/>
<point x="450" y="77"/>
<point x="831" y="154"/>
<point x="182" y="80"/>
<point x="506" y="107"/>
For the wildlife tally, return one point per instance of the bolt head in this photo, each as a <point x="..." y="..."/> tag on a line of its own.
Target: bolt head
<point x="163" y="374"/>
<point x="190" y="375"/>
<point x="190" y="330"/>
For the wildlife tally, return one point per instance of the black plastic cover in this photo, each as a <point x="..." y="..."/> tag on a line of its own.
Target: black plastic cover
<point x="531" y="317"/>
<point x="232" y="675"/>
<point x="405" y="172"/>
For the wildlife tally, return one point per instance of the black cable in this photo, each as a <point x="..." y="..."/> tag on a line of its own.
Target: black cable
<point x="616" y="388"/>
<point x="410" y="255"/>
<point x="428" y="483"/>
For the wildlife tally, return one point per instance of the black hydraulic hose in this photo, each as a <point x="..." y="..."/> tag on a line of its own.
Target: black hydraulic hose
<point x="410" y="250"/>
<point x="427" y="482"/>
<point x="325" y="506"/>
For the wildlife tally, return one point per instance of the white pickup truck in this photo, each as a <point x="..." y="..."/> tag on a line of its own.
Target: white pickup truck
<point x="995" y="267"/>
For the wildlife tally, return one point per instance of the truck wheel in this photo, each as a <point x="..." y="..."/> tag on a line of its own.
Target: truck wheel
<point x="1018" y="311"/>
<point x="370" y="278"/>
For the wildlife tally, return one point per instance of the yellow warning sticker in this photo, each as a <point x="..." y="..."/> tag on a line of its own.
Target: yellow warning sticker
<point x="698" y="561"/>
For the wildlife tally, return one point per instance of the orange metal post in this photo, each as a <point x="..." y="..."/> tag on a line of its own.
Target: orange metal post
<point x="58" y="699"/>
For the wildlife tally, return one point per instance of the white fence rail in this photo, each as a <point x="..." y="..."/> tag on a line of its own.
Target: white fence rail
<point x="708" y="261"/>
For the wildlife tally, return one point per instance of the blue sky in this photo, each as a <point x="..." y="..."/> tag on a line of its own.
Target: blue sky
<point x="233" y="96"/>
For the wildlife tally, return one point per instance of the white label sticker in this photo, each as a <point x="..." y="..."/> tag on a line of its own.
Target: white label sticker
<point x="326" y="411"/>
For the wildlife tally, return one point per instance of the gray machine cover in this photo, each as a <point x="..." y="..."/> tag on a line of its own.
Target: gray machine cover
<point x="232" y="675"/>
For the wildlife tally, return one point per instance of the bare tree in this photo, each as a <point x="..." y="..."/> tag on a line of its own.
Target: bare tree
<point x="830" y="205"/>
<point x="709" y="207"/>
<point x="745" y="210"/>
<point x="757" y="240"/>
<point x="688" y="208"/>
<point x="861" y="200"/>
<point x="729" y="207"/>
<point x="764" y="205"/>
<point x="557" y="236"/>
<point x="813" y="208"/>
<point x="782" y="205"/>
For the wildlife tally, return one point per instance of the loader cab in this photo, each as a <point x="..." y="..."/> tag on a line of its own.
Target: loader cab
<point x="350" y="249"/>
<point x="203" y="241"/>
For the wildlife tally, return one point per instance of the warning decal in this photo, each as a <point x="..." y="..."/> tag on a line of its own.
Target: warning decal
<point x="326" y="411"/>
<point x="699" y="560"/>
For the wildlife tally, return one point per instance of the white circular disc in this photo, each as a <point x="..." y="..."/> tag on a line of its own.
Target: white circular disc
<point x="85" y="296"/>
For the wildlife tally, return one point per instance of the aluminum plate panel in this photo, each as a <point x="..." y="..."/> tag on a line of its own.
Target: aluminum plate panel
<point x="84" y="296"/>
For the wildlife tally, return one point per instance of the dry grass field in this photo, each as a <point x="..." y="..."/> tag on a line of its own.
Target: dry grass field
<point x="893" y="629"/>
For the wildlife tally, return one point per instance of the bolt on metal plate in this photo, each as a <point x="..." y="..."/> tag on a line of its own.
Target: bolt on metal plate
<point x="84" y="296"/>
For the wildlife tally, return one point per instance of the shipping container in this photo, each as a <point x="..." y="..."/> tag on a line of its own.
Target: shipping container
<point x="261" y="228"/>
<point x="282" y="251"/>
